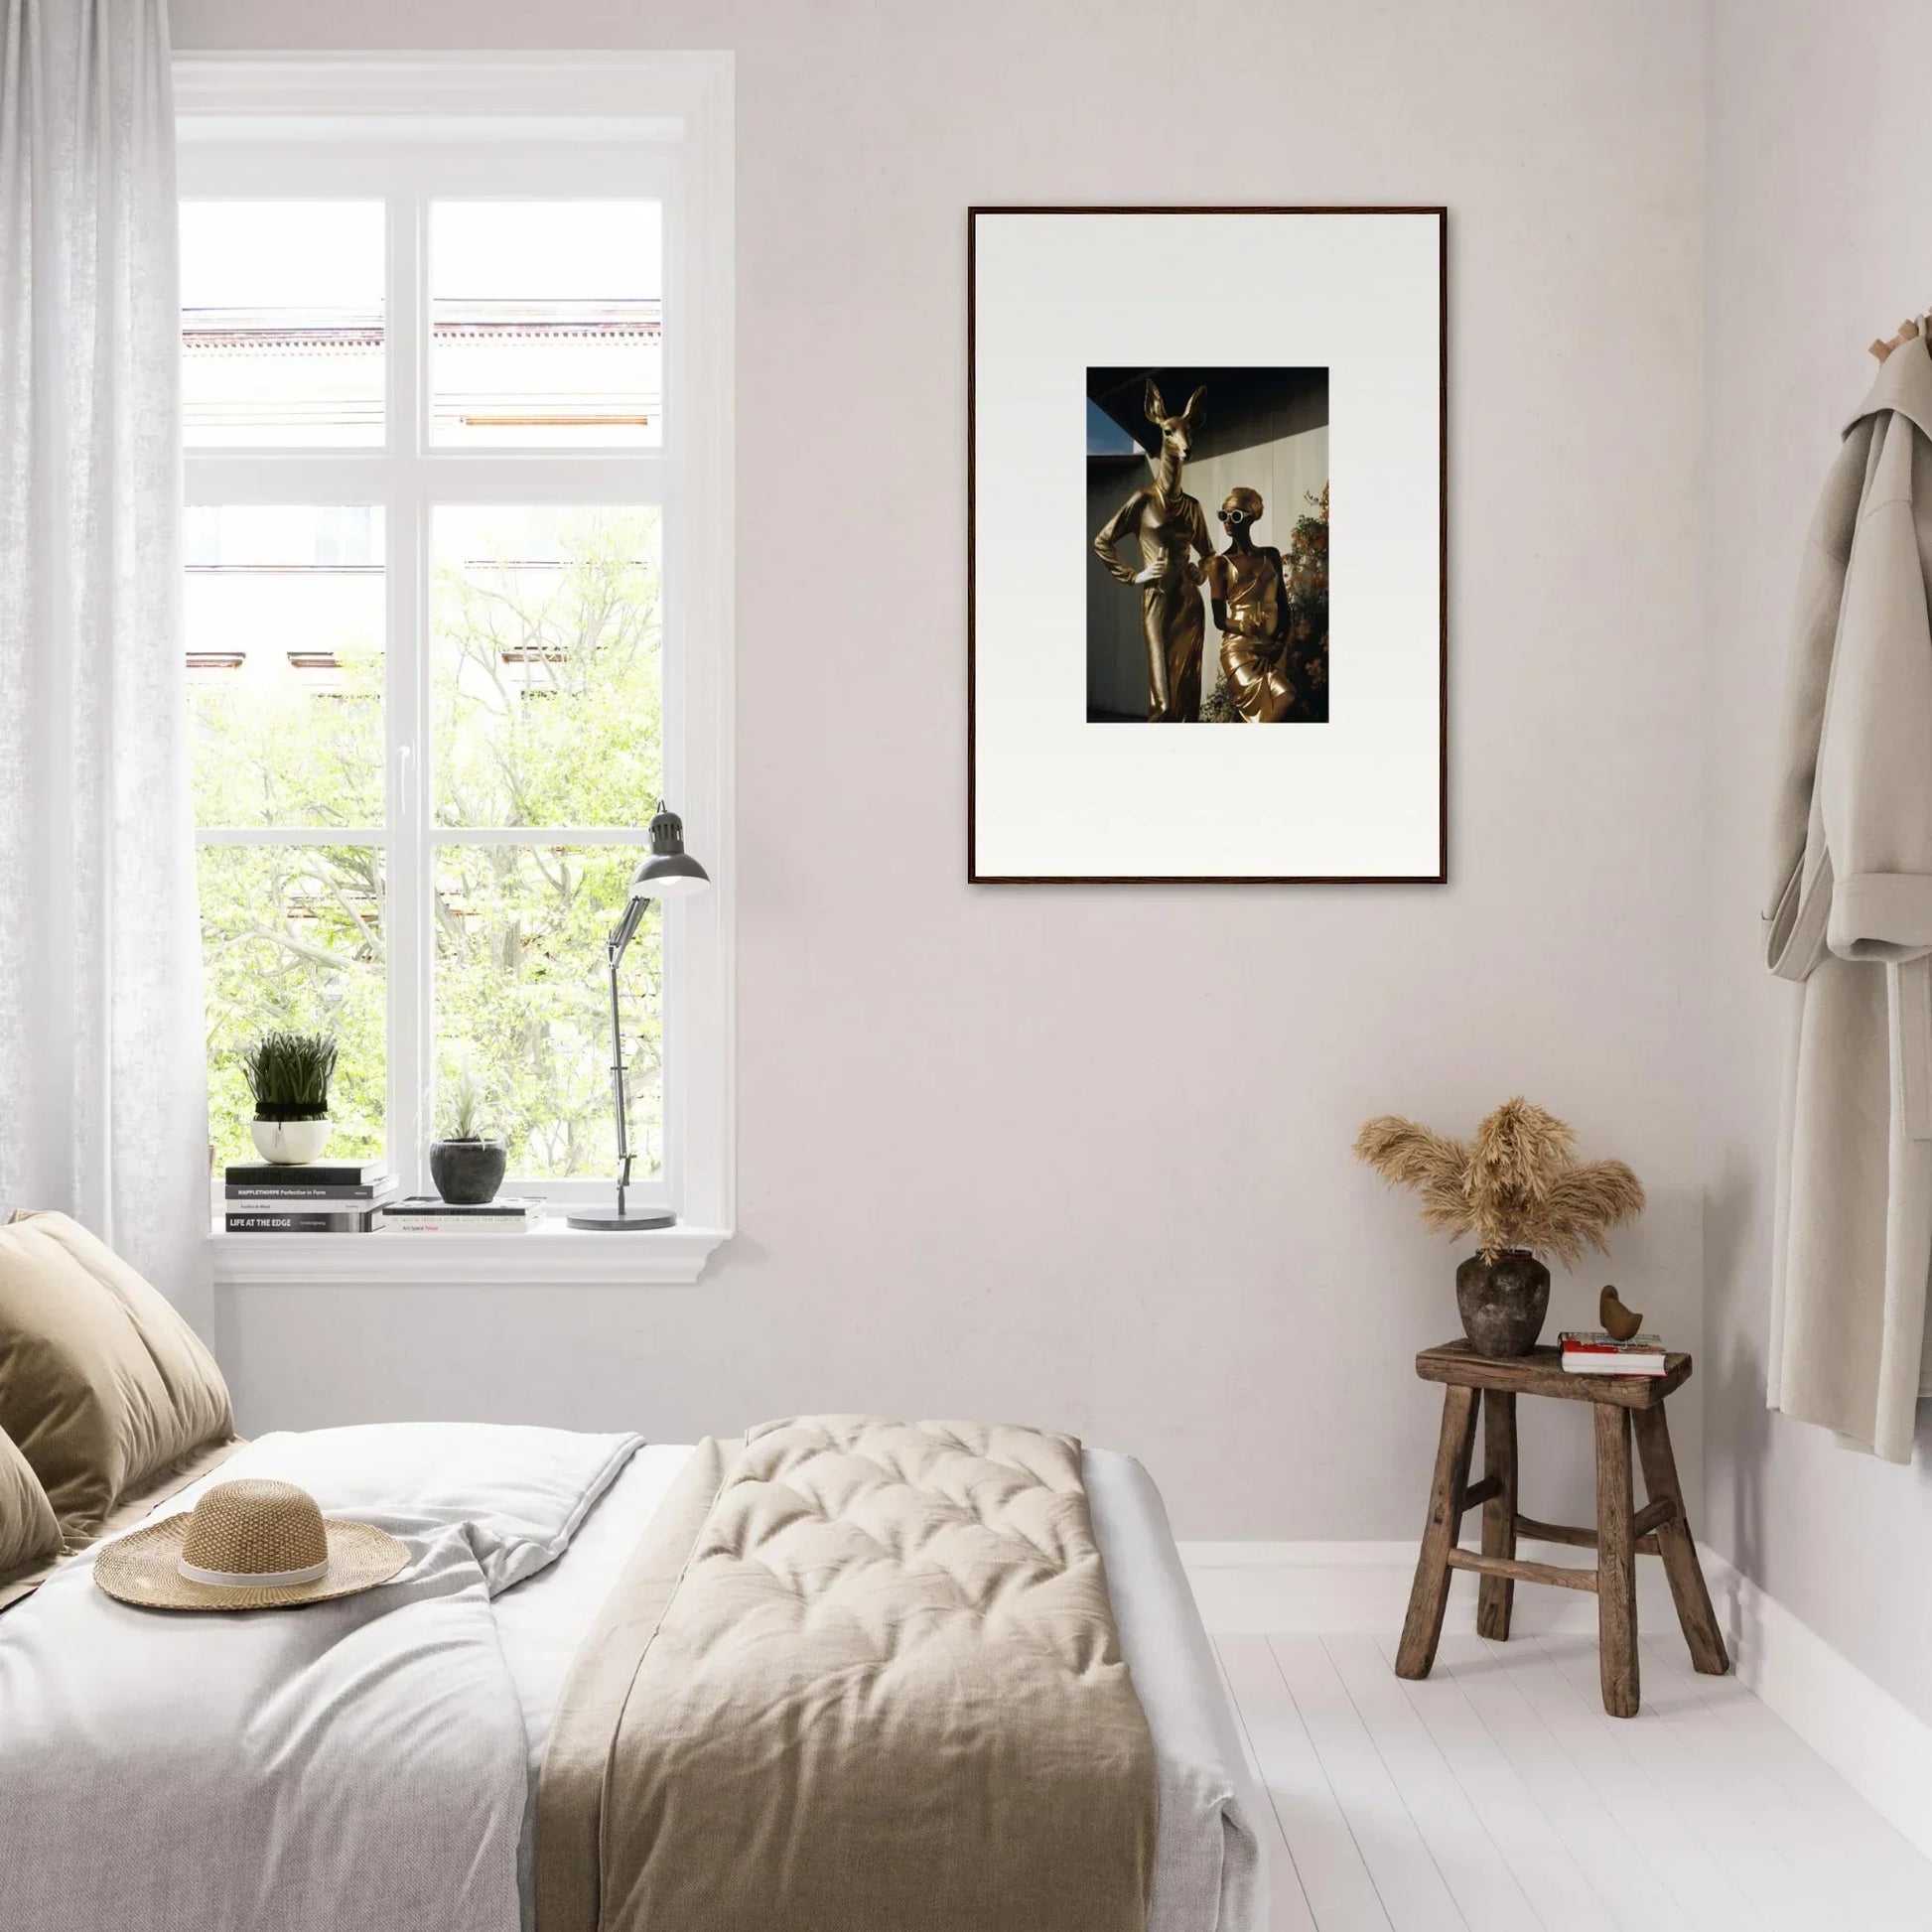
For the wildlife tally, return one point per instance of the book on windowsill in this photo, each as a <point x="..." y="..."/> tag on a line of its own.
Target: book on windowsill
<point x="330" y="1200"/>
<point x="1593" y="1352"/>
<point x="426" y="1214"/>
<point x="279" y="1179"/>
<point x="341" y="1219"/>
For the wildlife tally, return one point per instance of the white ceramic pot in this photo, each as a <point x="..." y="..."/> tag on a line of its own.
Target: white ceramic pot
<point x="290" y="1143"/>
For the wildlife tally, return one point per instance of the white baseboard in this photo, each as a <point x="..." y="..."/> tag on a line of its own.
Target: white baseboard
<point x="1882" y="1751"/>
<point x="1362" y="1589"/>
<point x="1879" y="1746"/>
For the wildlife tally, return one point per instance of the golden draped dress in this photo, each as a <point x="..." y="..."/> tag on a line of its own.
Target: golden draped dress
<point x="1254" y="659"/>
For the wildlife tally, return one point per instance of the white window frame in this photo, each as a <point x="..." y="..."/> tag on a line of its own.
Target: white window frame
<point x="408" y="130"/>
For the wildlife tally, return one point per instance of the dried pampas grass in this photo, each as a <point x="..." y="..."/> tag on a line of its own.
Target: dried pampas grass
<point x="1517" y="1184"/>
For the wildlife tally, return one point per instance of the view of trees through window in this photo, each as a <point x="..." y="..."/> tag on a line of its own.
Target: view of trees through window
<point x="546" y="713"/>
<point x="547" y="702"/>
<point x="418" y="844"/>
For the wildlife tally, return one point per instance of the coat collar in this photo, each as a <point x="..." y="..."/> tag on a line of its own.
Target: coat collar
<point x="1903" y="384"/>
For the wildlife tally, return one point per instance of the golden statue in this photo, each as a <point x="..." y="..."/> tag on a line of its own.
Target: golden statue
<point x="1251" y="613"/>
<point x="1170" y="525"/>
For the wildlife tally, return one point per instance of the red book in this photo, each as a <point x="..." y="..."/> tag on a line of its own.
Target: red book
<point x="1593" y="1352"/>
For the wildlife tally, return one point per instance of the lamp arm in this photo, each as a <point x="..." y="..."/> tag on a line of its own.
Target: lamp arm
<point x="614" y="947"/>
<point x="625" y="929"/>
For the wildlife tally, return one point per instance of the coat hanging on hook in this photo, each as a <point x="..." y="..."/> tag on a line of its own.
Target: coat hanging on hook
<point x="1850" y="917"/>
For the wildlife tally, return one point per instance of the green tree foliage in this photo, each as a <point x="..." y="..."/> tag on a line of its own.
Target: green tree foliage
<point x="547" y="688"/>
<point x="521" y="998"/>
<point x="292" y="939"/>
<point x="280" y="754"/>
<point x="546" y="697"/>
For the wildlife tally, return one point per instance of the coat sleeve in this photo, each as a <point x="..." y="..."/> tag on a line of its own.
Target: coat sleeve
<point x="1794" y="927"/>
<point x="1875" y="768"/>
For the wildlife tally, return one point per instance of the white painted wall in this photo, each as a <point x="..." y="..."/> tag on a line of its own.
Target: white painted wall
<point x="1820" y="239"/>
<point x="996" y="1155"/>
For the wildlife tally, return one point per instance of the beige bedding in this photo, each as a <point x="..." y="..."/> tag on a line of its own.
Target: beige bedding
<point x="103" y="1385"/>
<point x="30" y="1532"/>
<point x="125" y="1514"/>
<point x="859" y="1674"/>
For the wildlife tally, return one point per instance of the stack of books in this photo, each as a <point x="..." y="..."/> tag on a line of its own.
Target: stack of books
<point x="322" y="1197"/>
<point x="1590" y="1351"/>
<point x="426" y="1214"/>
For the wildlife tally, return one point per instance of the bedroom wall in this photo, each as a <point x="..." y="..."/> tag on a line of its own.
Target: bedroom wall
<point x="1818" y="242"/>
<point x="1080" y="1156"/>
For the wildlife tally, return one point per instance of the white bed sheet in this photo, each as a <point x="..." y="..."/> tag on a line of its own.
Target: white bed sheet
<point x="1209" y="1871"/>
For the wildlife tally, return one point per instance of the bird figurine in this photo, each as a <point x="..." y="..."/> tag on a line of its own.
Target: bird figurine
<point x="1620" y="1323"/>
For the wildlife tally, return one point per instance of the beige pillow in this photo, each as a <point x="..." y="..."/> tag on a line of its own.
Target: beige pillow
<point x="29" y="1534"/>
<point x="103" y="1385"/>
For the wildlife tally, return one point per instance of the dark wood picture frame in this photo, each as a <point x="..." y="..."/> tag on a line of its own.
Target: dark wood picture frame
<point x="974" y="876"/>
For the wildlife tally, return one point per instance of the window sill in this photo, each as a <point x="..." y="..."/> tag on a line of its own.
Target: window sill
<point x="550" y="1253"/>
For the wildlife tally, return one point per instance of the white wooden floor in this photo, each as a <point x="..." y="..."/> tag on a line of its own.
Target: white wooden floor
<point x="1497" y="1796"/>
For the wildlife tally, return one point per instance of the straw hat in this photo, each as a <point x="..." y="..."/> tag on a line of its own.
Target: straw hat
<point x="251" y="1545"/>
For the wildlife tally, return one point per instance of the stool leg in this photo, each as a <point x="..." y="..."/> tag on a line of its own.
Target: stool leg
<point x="1675" y="1545"/>
<point x="1495" y="1596"/>
<point x="1616" y="1563"/>
<point x="1423" y="1628"/>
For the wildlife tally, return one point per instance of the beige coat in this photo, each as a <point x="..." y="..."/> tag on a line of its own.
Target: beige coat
<point x="1850" y="916"/>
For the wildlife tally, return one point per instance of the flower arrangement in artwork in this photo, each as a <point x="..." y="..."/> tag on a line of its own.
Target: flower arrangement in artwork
<point x="1516" y="1185"/>
<point x="1305" y="568"/>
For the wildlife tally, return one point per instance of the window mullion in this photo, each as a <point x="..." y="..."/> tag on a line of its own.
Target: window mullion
<point x="409" y="921"/>
<point x="545" y="835"/>
<point x="291" y="835"/>
<point x="579" y="479"/>
<point x="278" y="477"/>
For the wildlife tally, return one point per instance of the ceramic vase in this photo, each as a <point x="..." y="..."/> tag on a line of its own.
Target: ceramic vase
<point x="290" y="1143"/>
<point x="468" y="1173"/>
<point x="1503" y="1300"/>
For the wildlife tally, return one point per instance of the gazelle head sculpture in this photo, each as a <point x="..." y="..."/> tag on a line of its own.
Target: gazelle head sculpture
<point x="1175" y="430"/>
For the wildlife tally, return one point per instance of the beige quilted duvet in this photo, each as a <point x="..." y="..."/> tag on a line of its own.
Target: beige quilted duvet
<point x="862" y="1676"/>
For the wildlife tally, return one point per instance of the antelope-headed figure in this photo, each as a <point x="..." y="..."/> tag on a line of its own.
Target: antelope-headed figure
<point x="1171" y="527"/>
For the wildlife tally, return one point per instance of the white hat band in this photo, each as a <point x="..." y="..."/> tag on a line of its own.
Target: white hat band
<point x="253" y="1579"/>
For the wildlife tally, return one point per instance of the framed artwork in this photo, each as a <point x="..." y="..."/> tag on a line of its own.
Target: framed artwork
<point x="1167" y="406"/>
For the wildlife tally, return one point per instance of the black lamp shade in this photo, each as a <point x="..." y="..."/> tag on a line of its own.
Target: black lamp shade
<point x="670" y="872"/>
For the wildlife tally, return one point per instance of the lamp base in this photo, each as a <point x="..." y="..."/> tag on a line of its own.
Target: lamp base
<point x="608" y="1221"/>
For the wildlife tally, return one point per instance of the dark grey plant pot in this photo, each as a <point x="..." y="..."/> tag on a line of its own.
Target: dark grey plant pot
<point x="468" y="1173"/>
<point x="1503" y="1302"/>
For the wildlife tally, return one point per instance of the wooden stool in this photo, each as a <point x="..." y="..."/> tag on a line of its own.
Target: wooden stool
<point x="1659" y="1529"/>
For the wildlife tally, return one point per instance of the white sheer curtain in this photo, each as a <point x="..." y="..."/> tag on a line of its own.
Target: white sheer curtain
<point x="101" y="1067"/>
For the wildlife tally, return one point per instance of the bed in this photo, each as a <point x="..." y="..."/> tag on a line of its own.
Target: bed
<point x="503" y="1629"/>
<point x="839" y="1674"/>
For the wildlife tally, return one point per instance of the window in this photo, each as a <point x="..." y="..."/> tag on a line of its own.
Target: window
<point x="458" y="593"/>
<point x="546" y="325"/>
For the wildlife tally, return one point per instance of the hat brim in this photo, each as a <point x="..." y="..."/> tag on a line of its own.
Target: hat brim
<point x="144" y="1569"/>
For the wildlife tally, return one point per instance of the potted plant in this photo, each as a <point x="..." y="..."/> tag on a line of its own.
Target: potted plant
<point x="289" y="1075"/>
<point x="1519" y="1188"/>
<point x="468" y="1162"/>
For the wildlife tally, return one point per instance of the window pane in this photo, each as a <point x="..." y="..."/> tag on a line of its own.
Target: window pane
<point x="292" y="937"/>
<point x="522" y="1002"/>
<point x="285" y="626"/>
<point x="281" y="324"/>
<point x="546" y="324"/>
<point x="547" y="681"/>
